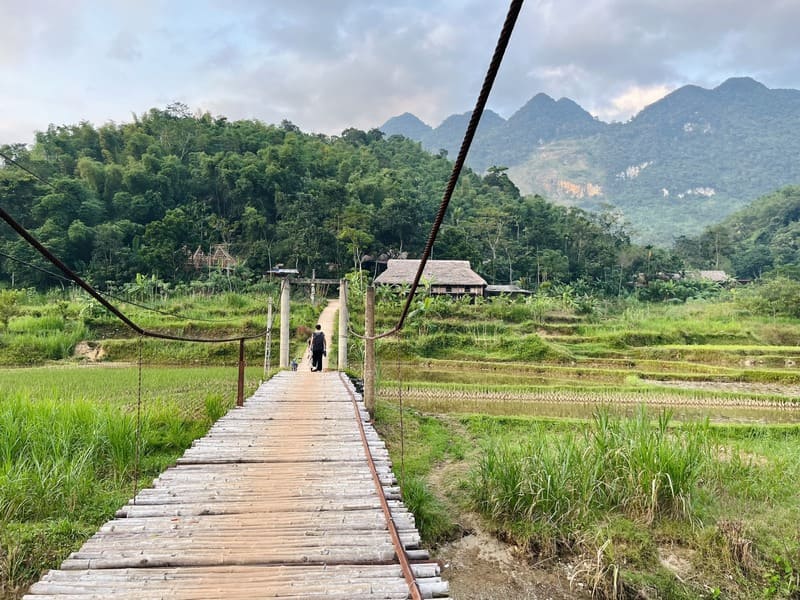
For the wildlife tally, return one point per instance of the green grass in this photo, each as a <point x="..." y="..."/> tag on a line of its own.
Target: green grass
<point x="68" y="445"/>
<point x="68" y="433"/>
<point x="430" y="443"/>
<point x="41" y="329"/>
<point x="640" y="469"/>
<point x="607" y="494"/>
<point x="613" y="493"/>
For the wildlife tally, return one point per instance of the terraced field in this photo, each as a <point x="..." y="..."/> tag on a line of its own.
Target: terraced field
<point x="514" y="425"/>
<point x="723" y="371"/>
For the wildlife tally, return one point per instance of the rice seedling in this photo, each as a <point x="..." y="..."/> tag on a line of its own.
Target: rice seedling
<point x="631" y="392"/>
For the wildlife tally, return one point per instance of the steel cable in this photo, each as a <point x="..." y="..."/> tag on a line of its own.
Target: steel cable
<point x="28" y="237"/>
<point x="114" y="296"/>
<point x="477" y="113"/>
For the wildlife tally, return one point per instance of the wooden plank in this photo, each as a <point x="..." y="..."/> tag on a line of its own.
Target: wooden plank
<point x="277" y="500"/>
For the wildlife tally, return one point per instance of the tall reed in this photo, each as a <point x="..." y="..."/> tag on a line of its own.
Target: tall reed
<point x="53" y="454"/>
<point x="544" y="491"/>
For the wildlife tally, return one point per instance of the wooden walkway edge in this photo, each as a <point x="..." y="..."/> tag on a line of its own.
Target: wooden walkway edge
<point x="277" y="501"/>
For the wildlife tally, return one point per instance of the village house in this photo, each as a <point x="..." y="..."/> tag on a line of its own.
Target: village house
<point x="447" y="277"/>
<point x="218" y="258"/>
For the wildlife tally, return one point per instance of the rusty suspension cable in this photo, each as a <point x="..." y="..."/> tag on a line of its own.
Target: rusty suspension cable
<point x="54" y="260"/>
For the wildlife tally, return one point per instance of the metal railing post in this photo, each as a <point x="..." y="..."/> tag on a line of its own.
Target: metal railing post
<point x="369" y="352"/>
<point x="344" y="322"/>
<point x="240" y="389"/>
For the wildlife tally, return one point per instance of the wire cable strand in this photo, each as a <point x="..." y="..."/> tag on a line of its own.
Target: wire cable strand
<point x="491" y="74"/>
<point x="14" y="162"/>
<point x="113" y="296"/>
<point x="28" y="237"/>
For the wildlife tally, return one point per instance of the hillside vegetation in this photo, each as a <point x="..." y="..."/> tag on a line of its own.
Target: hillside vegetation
<point x="141" y="197"/>
<point x="762" y="238"/>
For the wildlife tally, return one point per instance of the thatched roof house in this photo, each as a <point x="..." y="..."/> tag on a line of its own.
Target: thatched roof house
<point x="453" y="277"/>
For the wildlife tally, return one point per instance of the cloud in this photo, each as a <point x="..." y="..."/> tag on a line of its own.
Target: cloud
<point x="631" y="101"/>
<point x="34" y="30"/>
<point x="354" y="66"/>
<point x="607" y="54"/>
<point x="125" y="47"/>
<point x="331" y="65"/>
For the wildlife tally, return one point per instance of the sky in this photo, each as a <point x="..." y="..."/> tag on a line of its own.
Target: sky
<point x="327" y="65"/>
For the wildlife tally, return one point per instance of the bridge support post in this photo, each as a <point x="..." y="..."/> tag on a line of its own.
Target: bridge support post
<point x="285" y="289"/>
<point x="240" y="388"/>
<point x="268" y="340"/>
<point x="369" y="352"/>
<point x="344" y="323"/>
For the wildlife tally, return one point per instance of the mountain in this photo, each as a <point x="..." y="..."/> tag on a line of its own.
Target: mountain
<point x="682" y="163"/>
<point x="406" y="125"/>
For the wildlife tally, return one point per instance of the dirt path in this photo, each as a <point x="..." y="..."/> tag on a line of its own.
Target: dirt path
<point x="326" y="320"/>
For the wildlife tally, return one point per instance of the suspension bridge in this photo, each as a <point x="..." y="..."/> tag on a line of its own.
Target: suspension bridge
<point x="291" y="495"/>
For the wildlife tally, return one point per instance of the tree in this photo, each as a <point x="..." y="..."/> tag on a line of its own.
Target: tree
<point x="165" y="243"/>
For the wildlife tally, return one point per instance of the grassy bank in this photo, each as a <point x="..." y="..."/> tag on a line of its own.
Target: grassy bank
<point x="38" y="328"/>
<point x="68" y="447"/>
<point x="637" y="505"/>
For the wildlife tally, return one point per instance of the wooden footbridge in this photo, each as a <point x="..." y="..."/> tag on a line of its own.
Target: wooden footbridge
<point x="290" y="496"/>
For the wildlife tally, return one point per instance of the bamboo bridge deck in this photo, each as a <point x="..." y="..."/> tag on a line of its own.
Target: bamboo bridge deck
<point x="278" y="501"/>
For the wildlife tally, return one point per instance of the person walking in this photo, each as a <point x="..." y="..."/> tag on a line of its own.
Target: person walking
<point x="318" y="348"/>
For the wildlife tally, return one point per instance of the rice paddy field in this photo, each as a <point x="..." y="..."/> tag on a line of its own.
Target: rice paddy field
<point x="650" y="451"/>
<point x="89" y="413"/>
<point x="632" y="450"/>
<point x="77" y="441"/>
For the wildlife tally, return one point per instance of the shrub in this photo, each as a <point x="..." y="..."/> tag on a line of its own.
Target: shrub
<point x="775" y="297"/>
<point x="9" y="305"/>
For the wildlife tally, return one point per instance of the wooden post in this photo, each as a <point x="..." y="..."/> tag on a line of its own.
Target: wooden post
<point x="313" y="287"/>
<point x="284" y="364"/>
<point x="240" y="390"/>
<point x="369" y="352"/>
<point x="268" y="340"/>
<point x="344" y="323"/>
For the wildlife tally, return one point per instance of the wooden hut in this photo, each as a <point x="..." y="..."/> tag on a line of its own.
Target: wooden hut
<point x="447" y="277"/>
<point x="218" y="258"/>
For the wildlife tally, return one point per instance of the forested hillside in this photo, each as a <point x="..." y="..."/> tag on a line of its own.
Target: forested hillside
<point x="140" y="197"/>
<point x="763" y="238"/>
